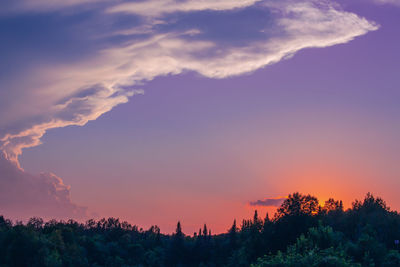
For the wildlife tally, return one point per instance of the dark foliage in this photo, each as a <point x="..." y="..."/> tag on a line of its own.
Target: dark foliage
<point x="302" y="233"/>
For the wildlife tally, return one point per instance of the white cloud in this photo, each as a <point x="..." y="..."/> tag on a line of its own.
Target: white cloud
<point x="159" y="7"/>
<point x="300" y="25"/>
<point x="75" y="110"/>
<point x="45" y="5"/>
<point x="392" y="2"/>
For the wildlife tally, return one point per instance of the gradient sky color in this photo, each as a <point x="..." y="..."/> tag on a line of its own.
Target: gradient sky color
<point x="186" y="119"/>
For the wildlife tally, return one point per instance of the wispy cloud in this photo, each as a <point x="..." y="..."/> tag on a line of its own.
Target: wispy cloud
<point x="268" y="202"/>
<point x="391" y="2"/>
<point x="22" y="6"/>
<point x="295" y="25"/>
<point x="160" y="7"/>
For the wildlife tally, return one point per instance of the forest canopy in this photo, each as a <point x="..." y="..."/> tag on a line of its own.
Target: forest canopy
<point x="301" y="233"/>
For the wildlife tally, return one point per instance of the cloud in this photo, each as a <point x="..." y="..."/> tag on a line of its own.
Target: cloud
<point x="74" y="110"/>
<point x="23" y="195"/>
<point x="268" y="202"/>
<point x="57" y="84"/>
<point x="392" y="2"/>
<point x="22" y="6"/>
<point x="105" y="77"/>
<point x="159" y="7"/>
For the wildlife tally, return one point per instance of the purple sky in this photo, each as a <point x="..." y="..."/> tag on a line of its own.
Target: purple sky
<point x="191" y="111"/>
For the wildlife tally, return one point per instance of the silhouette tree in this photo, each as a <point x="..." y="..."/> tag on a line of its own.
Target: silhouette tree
<point x="367" y="234"/>
<point x="297" y="204"/>
<point x="332" y="205"/>
<point x="177" y="251"/>
<point x="205" y="230"/>
<point x="295" y="215"/>
<point x="257" y="222"/>
<point x="233" y="236"/>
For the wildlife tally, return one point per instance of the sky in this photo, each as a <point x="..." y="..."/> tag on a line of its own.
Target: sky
<point x="200" y="111"/>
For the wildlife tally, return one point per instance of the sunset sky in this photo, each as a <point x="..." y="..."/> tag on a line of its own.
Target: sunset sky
<point x="200" y="111"/>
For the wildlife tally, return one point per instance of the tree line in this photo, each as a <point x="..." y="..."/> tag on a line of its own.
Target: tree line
<point x="301" y="233"/>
